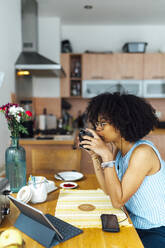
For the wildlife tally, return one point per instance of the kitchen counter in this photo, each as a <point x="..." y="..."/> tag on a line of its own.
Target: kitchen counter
<point x="57" y="139"/>
<point x="68" y="139"/>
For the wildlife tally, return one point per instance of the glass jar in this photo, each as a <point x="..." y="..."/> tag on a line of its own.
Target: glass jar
<point x="15" y="159"/>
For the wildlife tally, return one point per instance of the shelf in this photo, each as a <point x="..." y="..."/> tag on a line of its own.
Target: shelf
<point x="71" y="86"/>
<point x="74" y="97"/>
<point x="76" y="78"/>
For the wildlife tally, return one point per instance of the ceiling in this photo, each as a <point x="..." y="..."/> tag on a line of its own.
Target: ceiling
<point x="105" y="12"/>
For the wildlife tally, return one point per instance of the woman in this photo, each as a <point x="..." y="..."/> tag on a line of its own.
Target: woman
<point x="132" y="172"/>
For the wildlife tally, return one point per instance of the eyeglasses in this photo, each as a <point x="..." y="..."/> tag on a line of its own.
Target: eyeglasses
<point x="101" y="124"/>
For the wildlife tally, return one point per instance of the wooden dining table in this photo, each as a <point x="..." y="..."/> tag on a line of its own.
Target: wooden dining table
<point x="91" y="237"/>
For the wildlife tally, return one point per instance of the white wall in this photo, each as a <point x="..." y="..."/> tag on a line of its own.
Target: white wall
<point x="10" y="46"/>
<point x="112" y="38"/>
<point x="49" y="46"/>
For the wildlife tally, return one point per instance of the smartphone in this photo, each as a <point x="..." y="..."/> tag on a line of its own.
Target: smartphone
<point x="110" y="223"/>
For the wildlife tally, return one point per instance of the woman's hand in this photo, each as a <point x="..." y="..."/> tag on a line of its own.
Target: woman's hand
<point x="91" y="153"/>
<point x="97" y="145"/>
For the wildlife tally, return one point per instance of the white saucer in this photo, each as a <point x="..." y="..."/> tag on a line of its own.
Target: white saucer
<point x="69" y="176"/>
<point x="68" y="185"/>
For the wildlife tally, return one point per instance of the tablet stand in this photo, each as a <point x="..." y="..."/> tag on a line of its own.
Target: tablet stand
<point x="37" y="231"/>
<point x="43" y="234"/>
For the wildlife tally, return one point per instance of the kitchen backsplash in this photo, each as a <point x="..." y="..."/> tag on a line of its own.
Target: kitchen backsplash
<point x="52" y="105"/>
<point x="159" y="105"/>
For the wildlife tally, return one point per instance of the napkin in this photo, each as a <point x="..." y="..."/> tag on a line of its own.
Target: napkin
<point x="69" y="202"/>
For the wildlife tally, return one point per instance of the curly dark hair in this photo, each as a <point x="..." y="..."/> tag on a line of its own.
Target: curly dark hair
<point x="133" y="116"/>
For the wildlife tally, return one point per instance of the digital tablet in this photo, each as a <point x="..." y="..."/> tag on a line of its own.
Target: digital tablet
<point x="34" y="214"/>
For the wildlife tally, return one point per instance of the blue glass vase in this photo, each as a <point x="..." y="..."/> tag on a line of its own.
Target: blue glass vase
<point x="15" y="159"/>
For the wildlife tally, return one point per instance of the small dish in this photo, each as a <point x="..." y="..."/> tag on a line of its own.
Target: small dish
<point x="68" y="185"/>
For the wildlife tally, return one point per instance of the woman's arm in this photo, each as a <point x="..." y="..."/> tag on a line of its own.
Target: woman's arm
<point x="141" y="163"/>
<point x="97" y="161"/>
<point x="99" y="172"/>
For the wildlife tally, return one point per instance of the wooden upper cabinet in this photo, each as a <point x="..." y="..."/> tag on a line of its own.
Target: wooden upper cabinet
<point x="98" y="66"/>
<point x="129" y="66"/>
<point x="65" y="81"/>
<point x="154" y="66"/>
<point x="112" y="66"/>
<point x="117" y="66"/>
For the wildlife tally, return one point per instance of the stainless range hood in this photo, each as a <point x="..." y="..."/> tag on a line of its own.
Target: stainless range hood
<point x="30" y="60"/>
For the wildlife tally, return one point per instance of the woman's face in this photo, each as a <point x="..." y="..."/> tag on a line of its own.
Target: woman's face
<point x="107" y="131"/>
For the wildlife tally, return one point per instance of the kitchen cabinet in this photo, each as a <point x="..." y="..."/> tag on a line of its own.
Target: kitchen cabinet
<point x="125" y="69"/>
<point x="70" y="85"/>
<point x="112" y="66"/>
<point x="154" y="88"/>
<point x="91" y="88"/>
<point x="98" y="66"/>
<point x="154" y="66"/>
<point x="128" y="66"/>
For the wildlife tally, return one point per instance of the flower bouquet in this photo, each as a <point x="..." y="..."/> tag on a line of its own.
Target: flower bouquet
<point x="15" y="157"/>
<point x="15" y="116"/>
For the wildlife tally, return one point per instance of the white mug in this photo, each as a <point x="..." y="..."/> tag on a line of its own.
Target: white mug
<point x="39" y="193"/>
<point x="35" y="192"/>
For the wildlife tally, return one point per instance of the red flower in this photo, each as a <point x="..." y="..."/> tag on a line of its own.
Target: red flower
<point x="29" y="113"/>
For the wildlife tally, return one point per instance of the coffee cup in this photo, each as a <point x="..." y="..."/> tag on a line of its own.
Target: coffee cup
<point x="36" y="191"/>
<point x="39" y="189"/>
<point x="39" y="192"/>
